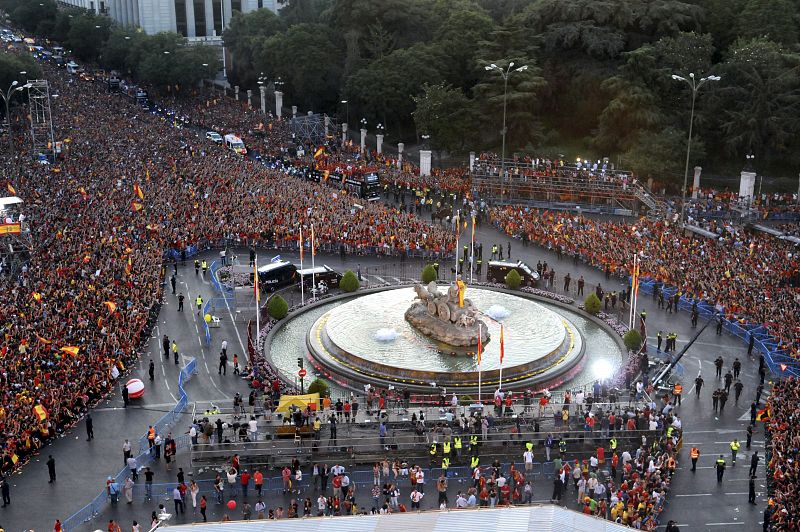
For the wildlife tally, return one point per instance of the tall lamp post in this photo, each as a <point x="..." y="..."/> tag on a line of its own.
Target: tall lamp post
<point x="695" y="85"/>
<point x="12" y="90"/>
<point x="506" y="74"/>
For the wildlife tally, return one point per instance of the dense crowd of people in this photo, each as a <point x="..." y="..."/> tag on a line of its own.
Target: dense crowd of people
<point x="750" y="275"/>
<point x="783" y="455"/>
<point x="132" y="184"/>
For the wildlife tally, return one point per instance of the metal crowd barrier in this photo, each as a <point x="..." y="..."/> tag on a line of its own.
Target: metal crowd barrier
<point x="144" y="458"/>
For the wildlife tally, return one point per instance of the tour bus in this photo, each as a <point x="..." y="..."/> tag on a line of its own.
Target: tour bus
<point x="497" y="271"/>
<point x="321" y="274"/>
<point x="235" y="144"/>
<point x="277" y="275"/>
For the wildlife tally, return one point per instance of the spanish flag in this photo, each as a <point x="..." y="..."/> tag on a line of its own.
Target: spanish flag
<point x="11" y="189"/>
<point x="44" y="340"/>
<point x="111" y="306"/>
<point x="40" y="412"/>
<point x="764" y="414"/>
<point x="129" y="267"/>
<point x="136" y="206"/>
<point x="37" y="296"/>
<point x="313" y="248"/>
<point x="71" y="349"/>
<point x="82" y="192"/>
<point x="502" y="344"/>
<point x="319" y="152"/>
<point x="255" y="285"/>
<point x="138" y="190"/>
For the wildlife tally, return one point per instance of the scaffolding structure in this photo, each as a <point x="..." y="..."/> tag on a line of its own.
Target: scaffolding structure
<point x="562" y="187"/>
<point x="42" y="135"/>
<point x="16" y="244"/>
<point x="312" y="128"/>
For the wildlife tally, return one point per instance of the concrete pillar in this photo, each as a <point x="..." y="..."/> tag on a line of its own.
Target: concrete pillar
<point x="344" y="133"/>
<point x="400" y="148"/>
<point x="263" y="90"/>
<point x="424" y="162"/>
<point x="190" y="19"/>
<point x="696" y="182"/>
<point x="380" y="143"/>
<point x="209" y="8"/>
<point x="278" y="103"/>
<point x="227" y="8"/>
<point x="249" y="98"/>
<point x="363" y="140"/>
<point x="236" y="92"/>
<point x="327" y="124"/>
<point x="471" y="161"/>
<point x="294" y="111"/>
<point x="747" y="184"/>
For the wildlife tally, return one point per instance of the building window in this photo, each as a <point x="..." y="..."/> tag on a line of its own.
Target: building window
<point x="199" y="17"/>
<point x="218" y="16"/>
<point x="236" y="5"/>
<point x="180" y="17"/>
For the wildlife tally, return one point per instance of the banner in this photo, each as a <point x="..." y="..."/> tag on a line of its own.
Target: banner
<point x="10" y="229"/>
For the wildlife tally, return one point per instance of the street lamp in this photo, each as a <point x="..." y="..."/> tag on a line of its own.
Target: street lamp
<point x="262" y="78"/>
<point x="695" y="85"/>
<point x="278" y="83"/>
<point x="12" y="90"/>
<point x="346" y="111"/>
<point x="506" y="74"/>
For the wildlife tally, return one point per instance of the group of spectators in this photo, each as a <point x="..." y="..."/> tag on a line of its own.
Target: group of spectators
<point x="96" y="270"/>
<point x="746" y="274"/>
<point x="783" y="455"/>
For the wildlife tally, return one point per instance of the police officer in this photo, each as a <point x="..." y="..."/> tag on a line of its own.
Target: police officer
<point x="478" y="266"/>
<point x="474" y="461"/>
<point x="613" y="444"/>
<point x="175" y="351"/>
<point x="457" y="446"/>
<point x="199" y="302"/>
<point x="562" y="447"/>
<point x="735" y="445"/>
<point x="204" y="264"/>
<point x="446" y="448"/>
<point x="720" y="467"/>
<point x="473" y="443"/>
<point x="677" y="391"/>
<point x="694" y="454"/>
<point x="196" y="266"/>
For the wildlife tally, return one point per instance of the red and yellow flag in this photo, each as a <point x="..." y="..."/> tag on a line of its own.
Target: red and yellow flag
<point x="255" y="284"/>
<point x="129" y="267"/>
<point x="40" y="412"/>
<point x="138" y="190"/>
<point x="111" y="306"/>
<point x="44" y="340"/>
<point x="313" y="247"/>
<point x="36" y="296"/>
<point x="136" y="206"/>
<point x="319" y="152"/>
<point x="301" y="245"/>
<point x="71" y="349"/>
<point x="480" y="345"/>
<point x="502" y="344"/>
<point x="82" y="192"/>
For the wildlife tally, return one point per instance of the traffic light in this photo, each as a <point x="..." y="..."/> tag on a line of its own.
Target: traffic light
<point x="300" y="362"/>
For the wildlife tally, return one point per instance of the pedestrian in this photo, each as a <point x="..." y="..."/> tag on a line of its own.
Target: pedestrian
<point x="199" y="302"/>
<point x="694" y="454"/>
<point x="223" y="364"/>
<point x="718" y="365"/>
<point x="152" y="370"/>
<point x="181" y="297"/>
<point x="172" y="281"/>
<point x="125" y="396"/>
<point x="720" y="467"/>
<point x="751" y="496"/>
<point x="51" y="469"/>
<point x="754" y="463"/>
<point x="737" y="368"/>
<point x="698" y="383"/>
<point x="203" y="504"/>
<point x="749" y="436"/>
<point x="5" y="489"/>
<point x="177" y="497"/>
<point x="148" y="483"/>
<point x="175" y="351"/>
<point x="165" y="346"/>
<point x="89" y="427"/>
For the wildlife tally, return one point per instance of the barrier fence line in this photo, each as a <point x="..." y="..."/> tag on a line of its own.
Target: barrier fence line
<point x="763" y="341"/>
<point x="145" y="456"/>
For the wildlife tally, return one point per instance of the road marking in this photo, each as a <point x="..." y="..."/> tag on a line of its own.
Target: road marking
<point x="694" y="494"/>
<point x="725" y="524"/>
<point x="380" y="279"/>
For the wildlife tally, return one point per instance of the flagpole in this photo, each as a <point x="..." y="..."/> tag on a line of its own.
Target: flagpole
<point x="502" y="348"/>
<point x="633" y="281"/>
<point x="479" y="367"/>
<point x="472" y="250"/>
<point x="302" y="290"/>
<point x="258" y="298"/>
<point x="458" y="235"/>
<point x="313" y="254"/>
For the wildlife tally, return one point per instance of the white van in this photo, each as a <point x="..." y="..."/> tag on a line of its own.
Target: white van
<point x="234" y="143"/>
<point x="73" y="67"/>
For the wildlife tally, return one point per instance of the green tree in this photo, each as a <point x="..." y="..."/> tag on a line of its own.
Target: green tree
<point x="245" y="37"/>
<point x="460" y="34"/>
<point x="349" y="282"/>
<point x="87" y="35"/>
<point x="10" y="67"/>
<point x="592" y="304"/>
<point x="632" y="340"/>
<point x="429" y="274"/>
<point x="757" y="103"/>
<point x="662" y="154"/>
<point x="277" y="307"/>
<point x="446" y="114"/>
<point x="319" y="386"/>
<point x="513" y="279"/>
<point x="775" y="20"/>
<point x="384" y="90"/>
<point x="118" y="52"/>
<point x="30" y="14"/>
<point x="307" y="59"/>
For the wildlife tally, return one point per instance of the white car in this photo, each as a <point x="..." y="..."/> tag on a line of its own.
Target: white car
<point x="213" y="136"/>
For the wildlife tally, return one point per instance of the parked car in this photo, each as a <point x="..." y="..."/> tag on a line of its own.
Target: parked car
<point x="497" y="271"/>
<point x="213" y="136"/>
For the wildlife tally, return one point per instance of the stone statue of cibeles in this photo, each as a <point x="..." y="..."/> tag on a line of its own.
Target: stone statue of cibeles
<point x="448" y="317"/>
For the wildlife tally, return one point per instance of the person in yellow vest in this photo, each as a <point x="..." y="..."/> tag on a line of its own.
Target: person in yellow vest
<point x="457" y="446"/>
<point x="677" y="390"/>
<point x="205" y="267"/>
<point x="199" y="301"/>
<point x="432" y="450"/>
<point x="735" y="445"/>
<point x="474" y="462"/>
<point x="473" y="442"/>
<point x="445" y="464"/>
<point x="694" y="454"/>
<point x="446" y="448"/>
<point x="613" y="444"/>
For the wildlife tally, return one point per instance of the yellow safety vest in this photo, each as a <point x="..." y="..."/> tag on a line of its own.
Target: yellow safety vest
<point x="473" y="440"/>
<point x="613" y="444"/>
<point x="433" y="449"/>
<point x="474" y="462"/>
<point x="445" y="463"/>
<point x="457" y="442"/>
<point x="199" y="300"/>
<point x="447" y="447"/>
<point x="735" y="445"/>
<point x="529" y="446"/>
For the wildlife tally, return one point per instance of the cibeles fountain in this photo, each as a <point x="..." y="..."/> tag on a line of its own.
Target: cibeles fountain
<point x="423" y="336"/>
<point x="448" y="318"/>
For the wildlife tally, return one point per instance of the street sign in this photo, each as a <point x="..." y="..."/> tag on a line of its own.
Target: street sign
<point x="302" y="373"/>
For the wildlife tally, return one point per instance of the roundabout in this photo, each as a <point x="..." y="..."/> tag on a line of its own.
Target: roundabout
<point x="365" y="339"/>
